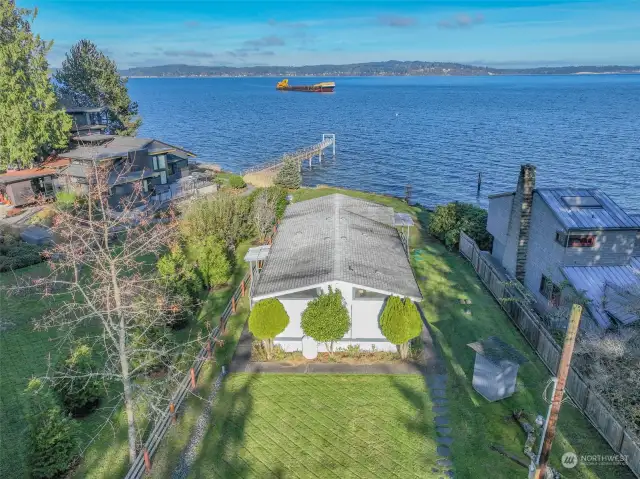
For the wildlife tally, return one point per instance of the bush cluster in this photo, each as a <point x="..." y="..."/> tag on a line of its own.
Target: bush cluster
<point x="15" y="253"/>
<point x="448" y="220"/>
<point x="77" y="389"/>
<point x="236" y="182"/>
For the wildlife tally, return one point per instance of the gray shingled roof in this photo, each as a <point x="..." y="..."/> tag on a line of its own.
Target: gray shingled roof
<point x="119" y="146"/>
<point x="337" y="238"/>
<point x="497" y="351"/>
<point x="608" y="215"/>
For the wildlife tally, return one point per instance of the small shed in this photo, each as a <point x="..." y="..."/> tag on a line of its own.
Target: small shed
<point x="496" y="368"/>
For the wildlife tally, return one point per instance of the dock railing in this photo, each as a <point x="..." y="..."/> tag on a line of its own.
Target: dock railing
<point x="600" y="413"/>
<point x="328" y="139"/>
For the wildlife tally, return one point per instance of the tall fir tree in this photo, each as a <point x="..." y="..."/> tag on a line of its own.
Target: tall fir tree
<point x="89" y="78"/>
<point x="289" y="175"/>
<point x="32" y="125"/>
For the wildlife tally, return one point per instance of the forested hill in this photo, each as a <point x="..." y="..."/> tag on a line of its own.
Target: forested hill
<point x="389" y="68"/>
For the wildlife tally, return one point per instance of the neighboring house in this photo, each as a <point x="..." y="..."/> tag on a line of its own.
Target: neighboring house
<point x="341" y="242"/>
<point x="88" y="120"/>
<point x="159" y="169"/>
<point x="549" y="237"/>
<point x="21" y="187"/>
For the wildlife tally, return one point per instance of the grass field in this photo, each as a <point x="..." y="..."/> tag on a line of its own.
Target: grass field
<point x="24" y="353"/>
<point x="319" y="426"/>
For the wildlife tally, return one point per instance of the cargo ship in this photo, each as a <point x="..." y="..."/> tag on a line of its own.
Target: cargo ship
<point x="324" y="87"/>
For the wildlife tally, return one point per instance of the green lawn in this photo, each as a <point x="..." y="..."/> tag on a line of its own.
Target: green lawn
<point x="24" y="353"/>
<point x="319" y="426"/>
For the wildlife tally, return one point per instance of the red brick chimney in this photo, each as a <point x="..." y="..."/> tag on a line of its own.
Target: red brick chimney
<point x="523" y="200"/>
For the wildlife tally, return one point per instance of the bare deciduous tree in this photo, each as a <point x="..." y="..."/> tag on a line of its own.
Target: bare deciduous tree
<point x="263" y="213"/>
<point x="103" y="274"/>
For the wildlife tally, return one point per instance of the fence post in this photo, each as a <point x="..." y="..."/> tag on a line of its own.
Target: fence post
<point x="222" y="325"/>
<point x="233" y="304"/>
<point x="172" y="410"/>
<point x="209" y="350"/>
<point x="147" y="461"/>
<point x="193" y="378"/>
<point x="242" y="288"/>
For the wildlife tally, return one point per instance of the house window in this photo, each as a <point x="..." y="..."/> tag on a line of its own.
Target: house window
<point x="550" y="291"/>
<point x="145" y="186"/>
<point x="359" y="293"/>
<point x="561" y="238"/>
<point x="159" y="162"/>
<point x="172" y="169"/>
<point x="163" y="177"/>
<point x="581" y="241"/>
<point x="119" y="190"/>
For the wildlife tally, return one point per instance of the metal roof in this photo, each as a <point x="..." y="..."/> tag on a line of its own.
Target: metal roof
<point x="498" y="352"/>
<point x="591" y="281"/>
<point x="402" y="219"/>
<point x="608" y="216"/>
<point x="130" y="176"/>
<point x="337" y="238"/>
<point x="257" y="253"/>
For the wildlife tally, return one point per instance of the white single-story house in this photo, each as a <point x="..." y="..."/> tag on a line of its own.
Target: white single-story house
<point x="340" y="242"/>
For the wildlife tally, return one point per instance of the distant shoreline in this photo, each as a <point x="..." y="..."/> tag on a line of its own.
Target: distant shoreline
<point x="387" y="76"/>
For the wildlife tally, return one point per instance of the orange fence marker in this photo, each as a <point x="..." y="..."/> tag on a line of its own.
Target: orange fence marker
<point x="242" y="291"/>
<point x="208" y="349"/>
<point x="172" y="410"/>
<point x="147" y="461"/>
<point x="193" y="378"/>
<point x="274" y="229"/>
<point x="233" y="305"/>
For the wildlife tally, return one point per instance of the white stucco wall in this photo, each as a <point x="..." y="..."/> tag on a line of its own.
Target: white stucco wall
<point x="364" y="313"/>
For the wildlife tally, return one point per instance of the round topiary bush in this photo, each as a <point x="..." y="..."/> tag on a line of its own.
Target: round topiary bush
<point x="326" y="318"/>
<point x="400" y="322"/>
<point x="268" y="318"/>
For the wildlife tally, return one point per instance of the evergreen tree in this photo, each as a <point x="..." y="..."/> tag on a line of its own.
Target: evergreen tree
<point x="400" y="322"/>
<point x="31" y="123"/>
<point x="326" y="318"/>
<point x="89" y="78"/>
<point x="289" y="175"/>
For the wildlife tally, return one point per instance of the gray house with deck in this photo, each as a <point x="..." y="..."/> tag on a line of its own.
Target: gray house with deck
<point x="160" y="170"/>
<point x="550" y="238"/>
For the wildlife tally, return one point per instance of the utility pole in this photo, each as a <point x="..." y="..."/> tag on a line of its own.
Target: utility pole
<point x="556" y="403"/>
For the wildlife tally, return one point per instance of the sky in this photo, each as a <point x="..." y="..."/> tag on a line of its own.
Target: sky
<point x="500" y="33"/>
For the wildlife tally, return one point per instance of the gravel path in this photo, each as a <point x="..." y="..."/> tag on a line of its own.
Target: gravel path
<point x="188" y="455"/>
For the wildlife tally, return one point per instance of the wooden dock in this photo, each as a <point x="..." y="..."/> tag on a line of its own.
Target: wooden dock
<point x="304" y="154"/>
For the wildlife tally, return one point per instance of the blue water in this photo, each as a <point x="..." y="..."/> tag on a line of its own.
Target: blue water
<point x="436" y="133"/>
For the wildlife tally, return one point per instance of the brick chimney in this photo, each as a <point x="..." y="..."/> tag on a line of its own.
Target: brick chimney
<point x="523" y="200"/>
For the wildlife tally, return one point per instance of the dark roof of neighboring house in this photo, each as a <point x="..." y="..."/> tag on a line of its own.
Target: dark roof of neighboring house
<point x="337" y="238"/>
<point x="119" y="146"/>
<point x="498" y="352"/>
<point x="585" y="209"/>
<point x="592" y="281"/>
<point x="636" y="218"/>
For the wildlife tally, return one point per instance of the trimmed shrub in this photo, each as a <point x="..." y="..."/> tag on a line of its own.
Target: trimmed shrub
<point x="268" y="318"/>
<point x="400" y="322"/>
<point x="326" y="318"/>
<point x="178" y="272"/>
<point x="236" y="182"/>
<point x="448" y="220"/>
<point x="289" y="175"/>
<point x="53" y="436"/>
<point x="213" y="262"/>
<point x="16" y="254"/>
<point x="66" y="199"/>
<point x="77" y="390"/>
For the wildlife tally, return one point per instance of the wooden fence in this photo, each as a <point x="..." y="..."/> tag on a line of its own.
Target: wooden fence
<point x="615" y="430"/>
<point x="142" y="463"/>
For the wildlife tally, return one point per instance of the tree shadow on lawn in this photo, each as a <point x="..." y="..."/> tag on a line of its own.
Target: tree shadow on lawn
<point x="220" y="452"/>
<point x="476" y="422"/>
<point x="421" y="424"/>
